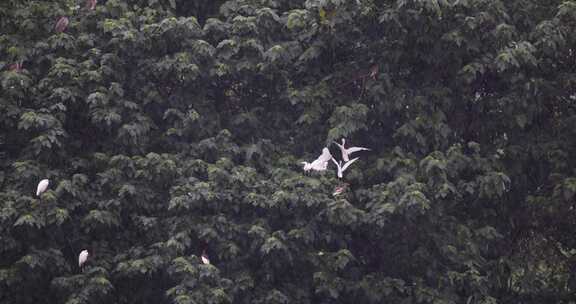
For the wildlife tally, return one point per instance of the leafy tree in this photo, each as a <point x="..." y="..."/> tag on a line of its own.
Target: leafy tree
<point x="170" y="128"/>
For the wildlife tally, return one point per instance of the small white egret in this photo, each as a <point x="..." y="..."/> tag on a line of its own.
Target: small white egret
<point x="42" y="186"/>
<point x="319" y="164"/>
<point x="82" y="257"/>
<point x="204" y="258"/>
<point x="346" y="152"/>
<point x="342" y="168"/>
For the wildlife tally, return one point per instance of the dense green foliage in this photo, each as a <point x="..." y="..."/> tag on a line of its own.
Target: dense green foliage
<point x="172" y="127"/>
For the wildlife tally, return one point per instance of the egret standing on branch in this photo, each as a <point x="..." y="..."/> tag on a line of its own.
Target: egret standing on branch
<point x="319" y="164"/>
<point x="42" y="186"/>
<point x="341" y="168"/>
<point x="204" y="258"/>
<point x="82" y="257"/>
<point x="346" y="152"/>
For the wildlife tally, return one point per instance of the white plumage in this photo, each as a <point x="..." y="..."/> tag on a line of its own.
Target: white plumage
<point x="346" y="152"/>
<point x="42" y="186"/>
<point x="319" y="164"/>
<point x="205" y="259"/>
<point x="341" y="168"/>
<point x="82" y="257"/>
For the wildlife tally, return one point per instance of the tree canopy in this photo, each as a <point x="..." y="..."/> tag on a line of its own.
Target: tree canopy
<point x="172" y="128"/>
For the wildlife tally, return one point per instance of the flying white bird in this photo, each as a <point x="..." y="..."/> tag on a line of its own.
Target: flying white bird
<point x="82" y="257"/>
<point x="42" y="186"/>
<point x="319" y="164"/>
<point x="204" y="258"/>
<point x="342" y="168"/>
<point x="346" y="152"/>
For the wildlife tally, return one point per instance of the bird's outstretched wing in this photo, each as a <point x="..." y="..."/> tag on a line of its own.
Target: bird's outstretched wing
<point x="347" y="164"/>
<point x="356" y="149"/>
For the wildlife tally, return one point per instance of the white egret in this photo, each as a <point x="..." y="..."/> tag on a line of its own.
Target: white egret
<point x="204" y="258"/>
<point x="346" y="152"/>
<point x="342" y="168"/>
<point x="42" y="186"/>
<point x="319" y="164"/>
<point x="82" y="257"/>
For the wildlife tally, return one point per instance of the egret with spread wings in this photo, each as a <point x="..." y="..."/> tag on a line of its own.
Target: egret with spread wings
<point x="346" y="152"/>
<point x="319" y="164"/>
<point x="342" y="168"/>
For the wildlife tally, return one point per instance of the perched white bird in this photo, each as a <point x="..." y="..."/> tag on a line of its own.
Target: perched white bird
<point x="204" y="258"/>
<point x="82" y="257"/>
<point x="319" y="164"/>
<point x="342" y="168"/>
<point x="346" y="152"/>
<point x="42" y="186"/>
